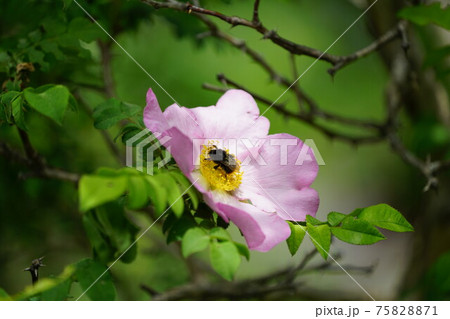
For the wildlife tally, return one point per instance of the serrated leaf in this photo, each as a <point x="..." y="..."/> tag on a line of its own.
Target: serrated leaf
<point x="17" y="112"/>
<point x="295" y="239"/>
<point x="89" y="271"/>
<point x="357" y="232"/>
<point x="335" y="218"/>
<point x="384" y="216"/>
<point x="225" y="258"/>
<point x="118" y="229"/>
<point x="112" y="111"/>
<point x="180" y="227"/>
<point x="97" y="190"/>
<point x="243" y="250"/>
<point x="102" y="250"/>
<point x="174" y="198"/>
<point x="6" y="100"/>
<point x="49" y="46"/>
<point x="426" y="14"/>
<point x="58" y="293"/>
<point x="157" y="194"/>
<point x="194" y="240"/>
<point x="356" y="212"/>
<point x="219" y="233"/>
<point x="37" y="57"/>
<point x="51" y="102"/>
<point x="321" y="238"/>
<point x="129" y="129"/>
<point x="313" y="221"/>
<point x="137" y="192"/>
<point x="186" y="185"/>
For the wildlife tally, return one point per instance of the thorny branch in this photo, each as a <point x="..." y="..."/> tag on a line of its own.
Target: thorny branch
<point x="37" y="165"/>
<point x="380" y="131"/>
<point x="298" y="49"/>
<point x="275" y="284"/>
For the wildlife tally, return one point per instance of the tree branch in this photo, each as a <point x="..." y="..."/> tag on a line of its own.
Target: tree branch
<point x="298" y="49"/>
<point x="306" y="118"/>
<point x="395" y="32"/>
<point x="38" y="169"/>
<point x="278" y="283"/>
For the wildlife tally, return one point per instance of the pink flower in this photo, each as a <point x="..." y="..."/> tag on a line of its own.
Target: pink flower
<point x="258" y="184"/>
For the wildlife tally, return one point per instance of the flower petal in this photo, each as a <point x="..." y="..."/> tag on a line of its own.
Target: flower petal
<point x="235" y="116"/>
<point x="238" y="102"/>
<point x="281" y="184"/>
<point x="295" y="204"/>
<point x="181" y="148"/>
<point x="261" y="230"/>
<point x="154" y="119"/>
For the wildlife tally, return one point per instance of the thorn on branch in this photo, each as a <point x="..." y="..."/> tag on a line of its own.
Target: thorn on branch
<point x="255" y="19"/>
<point x="269" y="34"/>
<point x="34" y="269"/>
<point x="404" y="36"/>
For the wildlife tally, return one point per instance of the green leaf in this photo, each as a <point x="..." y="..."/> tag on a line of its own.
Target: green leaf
<point x="437" y="279"/>
<point x="356" y="212"/>
<point x="17" y="112"/>
<point x="384" y="216"/>
<point x="37" y="57"/>
<point x="118" y="229"/>
<point x="436" y="56"/>
<point x="50" y="288"/>
<point x="177" y="230"/>
<point x="112" y="111"/>
<point x="186" y="185"/>
<point x="87" y="273"/>
<point x="219" y="233"/>
<point x="157" y="194"/>
<point x="6" y="101"/>
<point x="96" y="190"/>
<point x="225" y="258"/>
<point x="101" y="246"/>
<point x="243" y="250"/>
<point x="295" y="239"/>
<point x="335" y="218"/>
<point x="67" y="3"/>
<point x="320" y="237"/>
<point x="4" y="295"/>
<point x="51" y="101"/>
<point x="357" y="232"/>
<point x="58" y="293"/>
<point x="127" y="131"/>
<point x="194" y="240"/>
<point x="313" y="221"/>
<point x="426" y="14"/>
<point x="137" y="192"/>
<point x="83" y="29"/>
<point x="174" y="197"/>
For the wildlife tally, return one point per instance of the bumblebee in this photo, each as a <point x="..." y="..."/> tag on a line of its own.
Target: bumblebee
<point x="225" y="161"/>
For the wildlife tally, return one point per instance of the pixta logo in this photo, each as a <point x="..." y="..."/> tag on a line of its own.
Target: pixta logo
<point x="145" y="147"/>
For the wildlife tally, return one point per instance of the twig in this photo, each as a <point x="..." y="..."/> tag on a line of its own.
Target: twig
<point x="34" y="269"/>
<point x="105" y="53"/>
<point x="256" y="13"/>
<point x="281" y="282"/>
<point x="395" y="32"/>
<point x="41" y="170"/>
<point x="292" y="47"/>
<point x="306" y="118"/>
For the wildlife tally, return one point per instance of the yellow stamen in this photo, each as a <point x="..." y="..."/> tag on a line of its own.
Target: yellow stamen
<point x="217" y="177"/>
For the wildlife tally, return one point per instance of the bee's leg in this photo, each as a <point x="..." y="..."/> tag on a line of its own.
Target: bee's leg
<point x="217" y="166"/>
